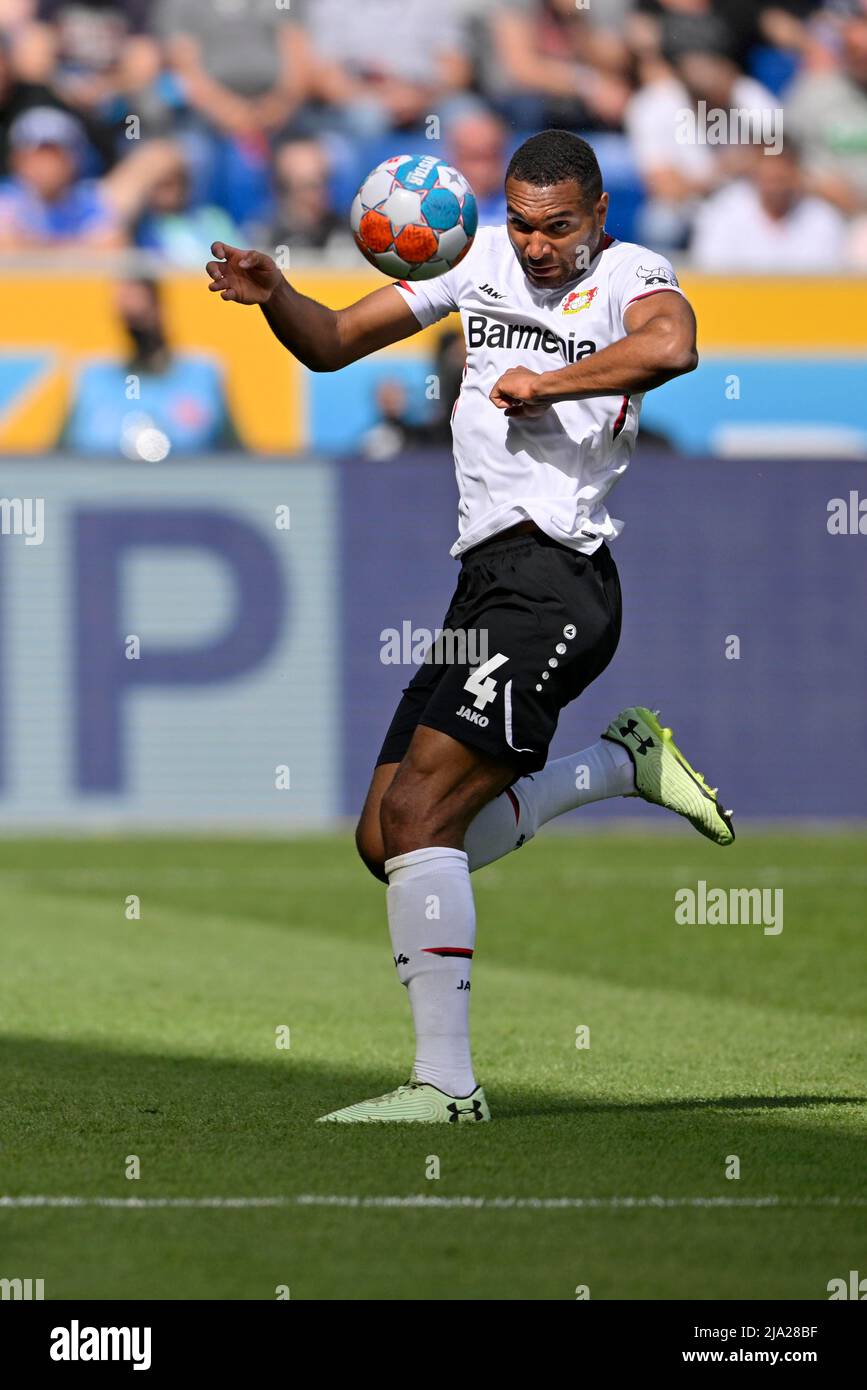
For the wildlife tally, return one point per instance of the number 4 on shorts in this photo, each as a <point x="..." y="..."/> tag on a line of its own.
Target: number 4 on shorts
<point x="481" y="684"/>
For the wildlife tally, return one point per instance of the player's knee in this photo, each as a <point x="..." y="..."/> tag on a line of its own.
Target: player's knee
<point x="409" y="821"/>
<point x="370" y="851"/>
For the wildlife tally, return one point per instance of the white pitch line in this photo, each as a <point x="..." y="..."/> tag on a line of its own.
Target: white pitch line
<point x="433" y="1203"/>
<point x="145" y="1203"/>
<point x="573" y="1203"/>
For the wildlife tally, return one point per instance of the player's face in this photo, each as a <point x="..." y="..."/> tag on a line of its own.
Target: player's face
<point x="554" y="233"/>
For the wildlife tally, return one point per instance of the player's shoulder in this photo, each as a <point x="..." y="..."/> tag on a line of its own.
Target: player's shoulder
<point x="625" y="252"/>
<point x="480" y="251"/>
<point x="488" y="242"/>
<point x="483" y="261"/>
<point x="449" y="290"/>
<point x="630" y="261"/>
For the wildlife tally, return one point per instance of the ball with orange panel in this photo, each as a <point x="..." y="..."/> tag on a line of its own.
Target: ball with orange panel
<point x="414" y="217"/>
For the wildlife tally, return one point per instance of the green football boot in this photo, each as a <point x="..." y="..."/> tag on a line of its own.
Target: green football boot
<point x="663" y="775"/>
<point x="415" y="1103"/>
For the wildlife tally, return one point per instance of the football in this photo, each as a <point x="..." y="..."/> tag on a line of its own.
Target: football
<point x="414" y="217"/>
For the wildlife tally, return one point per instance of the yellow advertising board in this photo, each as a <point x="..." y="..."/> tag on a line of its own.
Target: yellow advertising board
<point x="54" y="324"/>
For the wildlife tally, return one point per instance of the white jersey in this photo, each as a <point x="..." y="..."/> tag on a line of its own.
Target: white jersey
<point x="555" y="469"/>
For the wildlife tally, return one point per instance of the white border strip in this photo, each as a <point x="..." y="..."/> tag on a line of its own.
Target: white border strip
<point x="432" y="1203"/>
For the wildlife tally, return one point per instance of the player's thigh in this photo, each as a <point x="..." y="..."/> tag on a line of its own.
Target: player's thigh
<point x="440" y="786"/>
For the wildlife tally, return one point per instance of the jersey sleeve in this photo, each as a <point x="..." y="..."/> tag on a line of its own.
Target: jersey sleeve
<point x="430" y="300"/>
<point x="642" y="274"/>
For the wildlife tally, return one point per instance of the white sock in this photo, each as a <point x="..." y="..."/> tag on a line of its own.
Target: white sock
<point x="596" y="773"/>
<point x="432" y="920"/>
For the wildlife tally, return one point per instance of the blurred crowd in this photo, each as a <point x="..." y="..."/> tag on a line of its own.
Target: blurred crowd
<point x="167" y="124"/>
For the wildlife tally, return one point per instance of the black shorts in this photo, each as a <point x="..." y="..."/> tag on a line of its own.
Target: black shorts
<point x="530" y="625"/>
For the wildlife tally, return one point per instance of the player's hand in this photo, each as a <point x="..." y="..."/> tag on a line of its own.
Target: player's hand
<point x="516" y="393"/>
<point x="247" y="277"/>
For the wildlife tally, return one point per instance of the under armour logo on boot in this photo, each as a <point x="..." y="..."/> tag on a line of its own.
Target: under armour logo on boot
<point x="628" y="729"/>
<point x="474" y="1109"/>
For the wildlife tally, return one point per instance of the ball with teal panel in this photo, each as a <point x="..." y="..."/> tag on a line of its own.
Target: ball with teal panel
<point x="414" y="217"/>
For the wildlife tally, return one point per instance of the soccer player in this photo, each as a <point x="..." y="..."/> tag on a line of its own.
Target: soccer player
<point x="566" y="328"/>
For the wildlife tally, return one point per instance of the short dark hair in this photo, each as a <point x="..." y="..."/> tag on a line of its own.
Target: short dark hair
<point x="557" y="156"/>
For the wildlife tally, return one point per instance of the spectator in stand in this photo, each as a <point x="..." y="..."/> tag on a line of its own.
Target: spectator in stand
<point x="384" y="64"/>
<point x="180" y="404"/>
<point x="243" y="70"/>
<point x="15" y="13"/>
<point x="305" y="217"/>
<point x="450" y="363"/>
<point x="174" y="229"/>
<point x="476" y="144"/>
<point x="45" y="203"/>
<point x="827" y="113"/>
<point x="667" y="28"/>
<point x="552" y="64"/>
<point x="16" y="96"/>
<point x="101" y="61"/>
<point x="96" y="49"/>
<point x="801" y="29"/>
<point x="732" y="28"/>
<point x="396" y="429"/>
<point x="768" y="222"/>
<point x="678" y="169"/>
<point x="855" y="252"/>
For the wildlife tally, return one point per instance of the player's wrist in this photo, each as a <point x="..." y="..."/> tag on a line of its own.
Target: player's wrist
<point x="276" y="289"/>
<point x="549" y="386"/>
<point x="274" y="296"/>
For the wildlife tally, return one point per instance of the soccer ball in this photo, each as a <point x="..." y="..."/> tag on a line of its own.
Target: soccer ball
<point x="414" y="217"/>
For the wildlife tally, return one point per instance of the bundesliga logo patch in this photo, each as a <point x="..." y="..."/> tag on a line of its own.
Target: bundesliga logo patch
<point x="659" y="275"/>
<point x="578" y="300"/>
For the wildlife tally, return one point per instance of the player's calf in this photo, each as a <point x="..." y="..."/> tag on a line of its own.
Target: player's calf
<point x="370" y="851"/>
<point x="368" y="832"/>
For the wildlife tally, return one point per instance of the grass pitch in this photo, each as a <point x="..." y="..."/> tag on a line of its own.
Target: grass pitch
<point x="157" y="1038"/>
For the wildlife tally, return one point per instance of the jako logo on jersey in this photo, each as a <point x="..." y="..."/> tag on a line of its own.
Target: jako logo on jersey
<point x="485" y="332"/>
<point x="578" y="300"/>
<point x="488" y="289"/>
<point x="473" y="716"/>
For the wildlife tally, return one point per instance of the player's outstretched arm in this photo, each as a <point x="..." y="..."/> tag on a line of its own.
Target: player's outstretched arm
<point x="322" y="339"/>
<point x="659" y="345"/>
